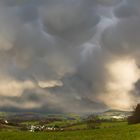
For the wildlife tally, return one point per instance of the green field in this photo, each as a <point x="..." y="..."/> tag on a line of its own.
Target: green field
<point x="108" y="131"/>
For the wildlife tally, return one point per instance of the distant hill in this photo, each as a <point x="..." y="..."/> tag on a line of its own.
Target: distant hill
<point x="32" y="116"/>
<point x="29" y="116"/>
<point x="112" y="113"/>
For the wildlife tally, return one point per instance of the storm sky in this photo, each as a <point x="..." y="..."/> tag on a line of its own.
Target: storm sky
<point x="75" y="56"/>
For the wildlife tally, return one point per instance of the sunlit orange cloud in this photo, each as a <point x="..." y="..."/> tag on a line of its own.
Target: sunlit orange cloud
<point x="124" y="73"/>
<point x="52" y="83"/>
<point x="11" y="88"/>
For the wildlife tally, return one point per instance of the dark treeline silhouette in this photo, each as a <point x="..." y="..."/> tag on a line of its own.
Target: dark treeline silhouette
<point x="135" y="118"/>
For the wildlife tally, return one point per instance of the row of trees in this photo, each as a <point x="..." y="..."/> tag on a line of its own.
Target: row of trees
<point x="93" y="122"/>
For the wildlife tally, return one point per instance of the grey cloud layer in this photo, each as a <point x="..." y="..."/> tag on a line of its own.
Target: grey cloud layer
<point x="53" y="54"/>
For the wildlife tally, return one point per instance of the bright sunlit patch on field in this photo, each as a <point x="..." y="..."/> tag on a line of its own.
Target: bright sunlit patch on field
<point x="124" y="74"/>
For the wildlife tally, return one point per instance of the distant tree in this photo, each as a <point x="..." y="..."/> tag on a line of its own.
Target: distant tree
<point x="135" y="118"/>
<point x="56" y="126"/>
<point x="93" y="122"/>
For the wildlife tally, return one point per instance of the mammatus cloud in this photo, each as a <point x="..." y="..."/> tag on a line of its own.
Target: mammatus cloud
<point x="71" y="56"/>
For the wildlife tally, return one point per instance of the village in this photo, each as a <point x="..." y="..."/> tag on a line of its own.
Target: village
<point x="29" y="127"/>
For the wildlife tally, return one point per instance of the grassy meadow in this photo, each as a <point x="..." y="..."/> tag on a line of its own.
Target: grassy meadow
<point x="107" y="131"/>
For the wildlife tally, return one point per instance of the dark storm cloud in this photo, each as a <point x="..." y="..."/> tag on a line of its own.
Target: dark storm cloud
<point x="54" y="55"/>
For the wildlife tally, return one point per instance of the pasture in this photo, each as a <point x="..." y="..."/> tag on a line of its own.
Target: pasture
<point x="107" y="131"/>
